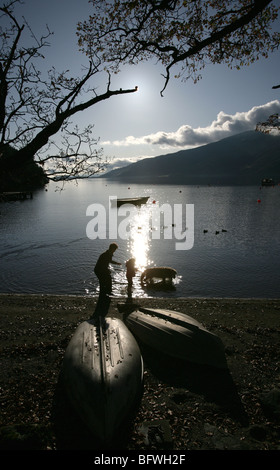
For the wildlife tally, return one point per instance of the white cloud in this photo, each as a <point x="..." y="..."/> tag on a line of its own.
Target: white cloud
<point x="116" y="163"/>
<point x="223" y="126"/>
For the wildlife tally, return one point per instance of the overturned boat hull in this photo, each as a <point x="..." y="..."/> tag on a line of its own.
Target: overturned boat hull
<point x="102" y="372"/>
<point x="177" y="335"/>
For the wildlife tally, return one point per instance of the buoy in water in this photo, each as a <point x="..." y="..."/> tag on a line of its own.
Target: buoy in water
<point x="259" y="201"/>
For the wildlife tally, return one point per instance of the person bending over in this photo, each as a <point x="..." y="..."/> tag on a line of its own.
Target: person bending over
<point x="102" y="269"/>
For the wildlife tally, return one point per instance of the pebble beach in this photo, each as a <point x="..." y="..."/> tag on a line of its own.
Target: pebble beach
<point x="193" y="408"/>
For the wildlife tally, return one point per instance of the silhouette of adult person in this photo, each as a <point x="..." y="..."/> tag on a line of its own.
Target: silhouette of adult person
<point x="102" y="270"/>
<point x="130" y="270"/>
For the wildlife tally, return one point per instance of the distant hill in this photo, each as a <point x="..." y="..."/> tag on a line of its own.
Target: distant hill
<point x="243" y="159"/>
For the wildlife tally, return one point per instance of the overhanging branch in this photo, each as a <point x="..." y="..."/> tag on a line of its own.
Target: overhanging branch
<point x="258" y="7"/>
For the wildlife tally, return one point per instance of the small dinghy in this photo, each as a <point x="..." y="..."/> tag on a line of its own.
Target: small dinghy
<point x="177" y="335"/>
<point x="151" y="276"/>
<point x="102" y="372"/>
<point x="136" y="201"/>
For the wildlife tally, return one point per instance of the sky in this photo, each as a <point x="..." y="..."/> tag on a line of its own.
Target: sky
<point x="145" y="124"/>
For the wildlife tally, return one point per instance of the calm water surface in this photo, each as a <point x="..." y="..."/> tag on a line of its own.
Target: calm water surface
<point x="45" y="248"/>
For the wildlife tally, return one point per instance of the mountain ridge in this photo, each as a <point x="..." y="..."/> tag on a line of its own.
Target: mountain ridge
<point x="244" y="158"/>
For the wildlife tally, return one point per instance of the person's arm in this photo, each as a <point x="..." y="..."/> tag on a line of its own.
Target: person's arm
<point x="116" y="262"/>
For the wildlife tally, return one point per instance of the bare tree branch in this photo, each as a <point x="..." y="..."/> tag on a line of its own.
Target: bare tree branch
<point x="180" y="32"/>
<point x="35" y="106"/>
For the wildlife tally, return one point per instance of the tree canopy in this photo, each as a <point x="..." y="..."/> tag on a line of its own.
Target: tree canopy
<point x="184" y="33"/>
<point x="34" y="106"/>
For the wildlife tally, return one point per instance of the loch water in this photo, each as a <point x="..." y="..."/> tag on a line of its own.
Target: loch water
<point x="50" y="243"/>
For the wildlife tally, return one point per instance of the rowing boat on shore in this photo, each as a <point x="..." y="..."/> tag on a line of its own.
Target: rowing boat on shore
<point x="177" y="335"/>
<point x="102" y="372"/>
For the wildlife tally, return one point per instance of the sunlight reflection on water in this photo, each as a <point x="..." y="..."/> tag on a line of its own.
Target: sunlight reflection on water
<point x="139" y="241"/>
<point x="137" y="246"/>
<point x="145" y="226"/>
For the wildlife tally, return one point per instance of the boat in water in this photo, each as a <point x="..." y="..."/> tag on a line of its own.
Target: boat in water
<point x="136" y="201"/>
<point x="177" y="335"/>
<point x="102" y="373"/>
<point x="162" y="273"/>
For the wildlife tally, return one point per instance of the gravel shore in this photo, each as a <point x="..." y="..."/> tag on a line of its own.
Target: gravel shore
<point x="188" y="407"/>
